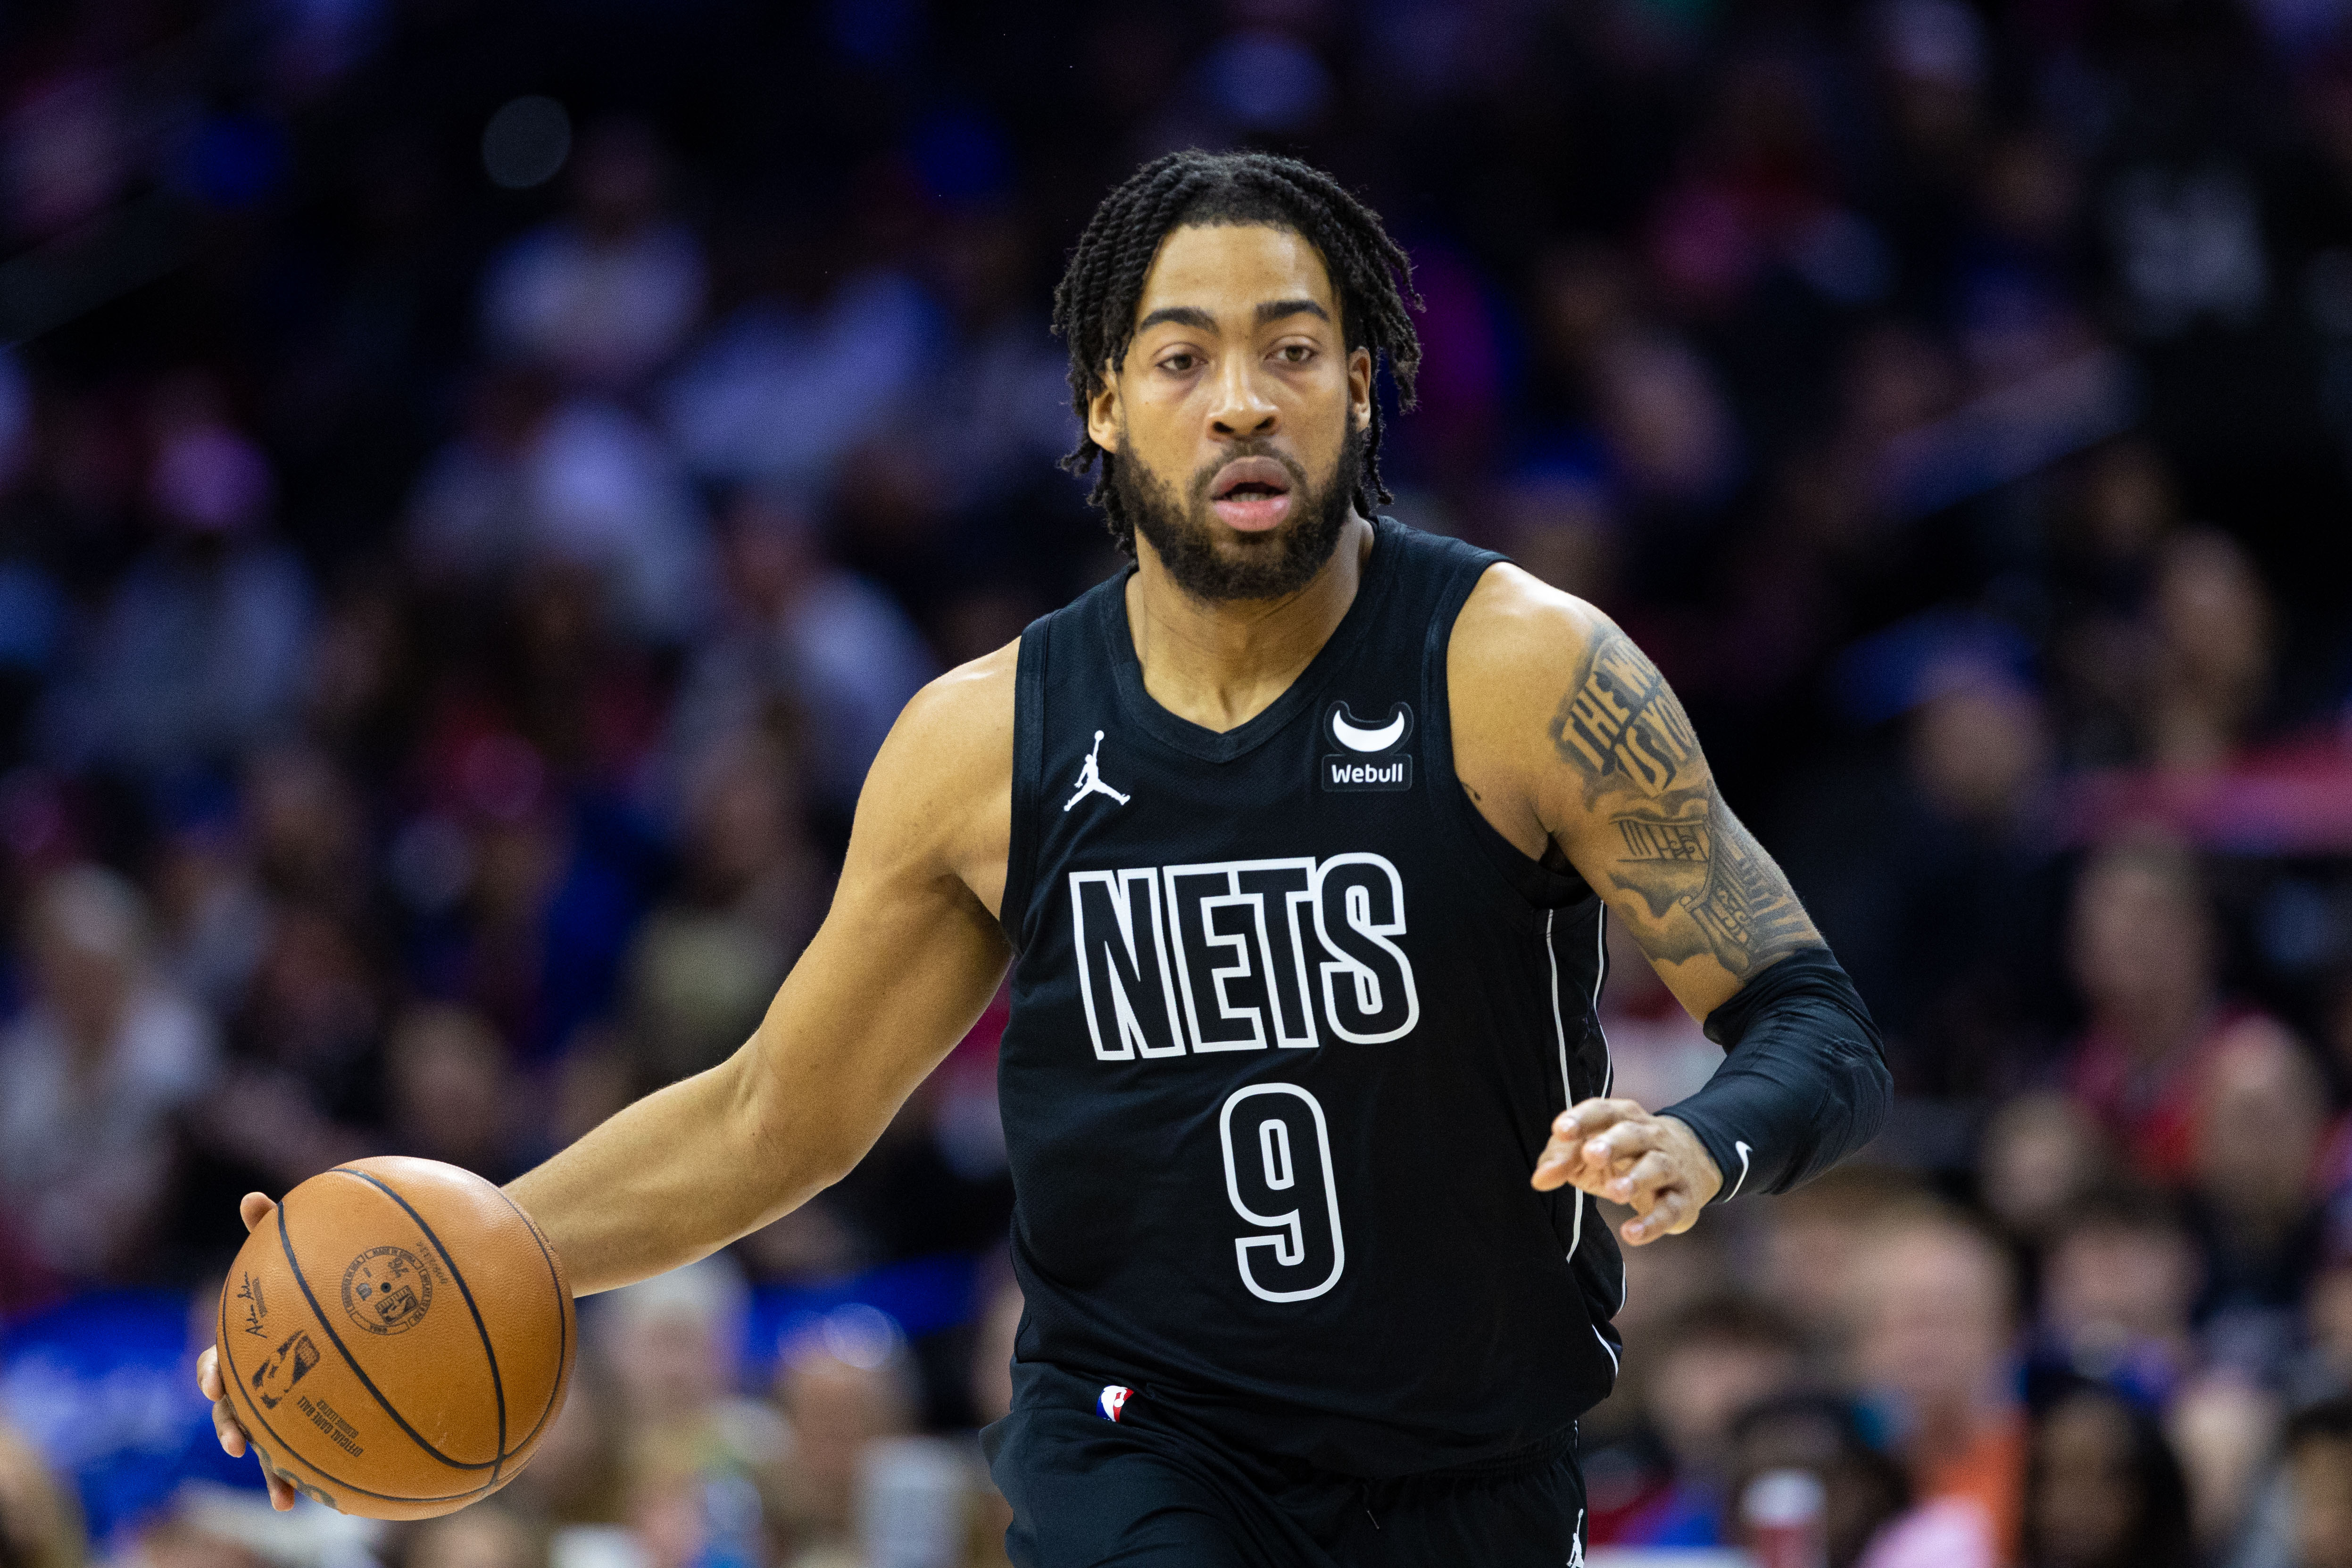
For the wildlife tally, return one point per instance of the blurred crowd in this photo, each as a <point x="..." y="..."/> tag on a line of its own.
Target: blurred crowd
<point x="477" y="484"/>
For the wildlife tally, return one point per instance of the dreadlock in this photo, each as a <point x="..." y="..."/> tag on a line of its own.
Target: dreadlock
<point x="1095" y="303"/>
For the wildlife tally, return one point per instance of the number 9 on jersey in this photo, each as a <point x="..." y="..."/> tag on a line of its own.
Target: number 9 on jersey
<point x="1278" y="1179"/>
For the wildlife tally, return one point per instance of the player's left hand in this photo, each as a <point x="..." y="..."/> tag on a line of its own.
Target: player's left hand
<point x="1654" y="1165"/>
<point x="253" y="1209"/>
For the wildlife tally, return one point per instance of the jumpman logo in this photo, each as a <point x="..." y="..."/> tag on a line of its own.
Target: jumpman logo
<point x="1090" y="779"/>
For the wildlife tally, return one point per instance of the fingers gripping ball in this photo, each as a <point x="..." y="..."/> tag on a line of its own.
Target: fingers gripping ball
<point x="396" y="1338"/>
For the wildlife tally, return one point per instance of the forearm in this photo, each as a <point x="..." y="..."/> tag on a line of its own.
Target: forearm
<point x="1805" y="1083"/>
<point x="671" y="1178"/>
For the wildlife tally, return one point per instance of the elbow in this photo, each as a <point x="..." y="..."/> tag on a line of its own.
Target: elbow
<point x="796" y="1147"/>
<point x="1872" y="1093"/>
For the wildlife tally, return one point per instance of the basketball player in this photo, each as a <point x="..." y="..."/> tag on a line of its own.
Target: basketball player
<point x="1299" y="838"/>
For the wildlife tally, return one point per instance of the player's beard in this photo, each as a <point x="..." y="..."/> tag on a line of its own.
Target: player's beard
<point x="1185" y="531"/>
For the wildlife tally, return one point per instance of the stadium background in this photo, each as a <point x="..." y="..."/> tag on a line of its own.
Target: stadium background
<point x="476" y="481"/>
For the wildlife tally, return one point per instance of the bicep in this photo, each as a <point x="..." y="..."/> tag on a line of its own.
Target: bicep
<point x="893" y="980"/>
<point x="1630" y="799"/>
<point x="908" y="955"/>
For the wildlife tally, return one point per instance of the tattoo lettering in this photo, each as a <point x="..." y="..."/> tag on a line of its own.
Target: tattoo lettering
<point x="1746" y="908"/>
<point x="1623" y="723"/>
<point x="1663" y="840"/>
<point x="1706" y="884"/>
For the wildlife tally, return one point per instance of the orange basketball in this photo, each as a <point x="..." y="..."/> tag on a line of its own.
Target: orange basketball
<point x="396" y="1338"/>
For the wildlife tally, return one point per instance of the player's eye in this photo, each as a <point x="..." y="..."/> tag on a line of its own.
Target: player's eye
<point x="1178" y="363"/>
<point x="1295" y="354"/>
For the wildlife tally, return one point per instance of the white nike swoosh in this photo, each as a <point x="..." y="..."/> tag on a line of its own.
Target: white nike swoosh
<point x="1743" y="1151"/>
<point x="1355" y="739"/>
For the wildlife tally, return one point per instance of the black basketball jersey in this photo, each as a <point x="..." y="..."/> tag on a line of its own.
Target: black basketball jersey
<point x="1290" y="1022"/>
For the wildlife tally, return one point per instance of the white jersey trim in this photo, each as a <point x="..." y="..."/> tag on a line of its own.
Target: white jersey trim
<point x="1567" y="1085"/>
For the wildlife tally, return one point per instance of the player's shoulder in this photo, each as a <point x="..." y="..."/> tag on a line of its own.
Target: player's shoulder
<point x="962" y="719"/>
<point x="1518" y="639"/>
<point x="939" y="795"/>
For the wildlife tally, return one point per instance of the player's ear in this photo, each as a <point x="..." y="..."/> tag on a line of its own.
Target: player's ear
<point x="1105" y="417"/>
<point x="1360" y="389"/>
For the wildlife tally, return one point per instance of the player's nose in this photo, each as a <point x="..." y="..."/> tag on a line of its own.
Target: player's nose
<point x="1241" y="408"/>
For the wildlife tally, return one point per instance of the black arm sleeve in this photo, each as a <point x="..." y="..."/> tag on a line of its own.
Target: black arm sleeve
<point x="1805" y="1083"/>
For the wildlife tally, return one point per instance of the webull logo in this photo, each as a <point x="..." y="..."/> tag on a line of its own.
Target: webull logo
<point x="1371" y="756"/>
<point x="1346" y="773"/>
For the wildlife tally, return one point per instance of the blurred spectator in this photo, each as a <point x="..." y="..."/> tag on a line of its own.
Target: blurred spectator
<point x="470" y="514"/>
<point x="2319" y="1463"/>
<point x="302" y="1091"/>
<point x="526" y="893"/>
<point x="1555" y="521"/>
<point x="198" y="652"/>
<point x="308" y="829"/>
<point x="540" y="479"/>
<point x="1937" y="1346"/>
<point x="994" y="412"/>
<point x="91" y="1074"/>
<point x="2119" y="1280"/>
<point x="1716" y="1358"/>
<point x="2104" y="1490"/>
<point x="2327" y="1369"/>
<point x="1817" y="1240"/>
<point x="2040" y="1154"/>
<point x="173" y="1542"/>
<point x="803" y="640"/>
<point x="1979" y="913"/>
<point x="2212" y="674"/>
<point x="674" y="1346"/>
<point x="1672" y="441"/>
<point x="39" y="1525"/>
<point x="2142" y="947"/>
<point x="485" y="1535"/>
<point x="1866" y="1512"/>
<point x="705" y="963"/>
<point x="2225" y="1430"/>
<point x="452" y="1097"/>
<point x="609" y="292"/>
<point x="2262" y="1113"/>
<point x="576" y="1475"/>
<point x="2125" y="505"/>
<point x="792" y="381"/>
<point x="212" y="919"/>
<point x="845" y="1383"/>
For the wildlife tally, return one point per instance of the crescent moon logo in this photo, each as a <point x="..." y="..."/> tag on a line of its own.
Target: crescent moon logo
<point x="1364" y="737"/>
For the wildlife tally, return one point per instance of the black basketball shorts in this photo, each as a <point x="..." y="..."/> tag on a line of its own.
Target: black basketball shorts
<point x="1146" y="1492"/>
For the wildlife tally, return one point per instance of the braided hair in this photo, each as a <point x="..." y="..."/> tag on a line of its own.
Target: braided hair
<point x="1096" y="303"/>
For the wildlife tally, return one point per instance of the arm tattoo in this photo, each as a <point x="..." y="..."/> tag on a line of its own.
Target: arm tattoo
<point x="1707" y="885"/>
<point x="1621" y="725"/>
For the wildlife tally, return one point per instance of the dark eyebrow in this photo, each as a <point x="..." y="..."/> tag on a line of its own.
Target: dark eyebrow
<point x="1190" y="316"/>
<point x="1276" y="309"/>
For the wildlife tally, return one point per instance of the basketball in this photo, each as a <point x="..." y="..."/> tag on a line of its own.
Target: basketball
<point x="396" y="1338"/>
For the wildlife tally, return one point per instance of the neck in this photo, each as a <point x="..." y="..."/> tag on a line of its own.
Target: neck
<point x="1222" y="663"/>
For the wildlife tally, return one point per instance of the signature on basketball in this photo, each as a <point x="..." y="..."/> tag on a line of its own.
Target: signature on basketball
<point x="386" y="1291"/>
<point x="248" y="1290"/>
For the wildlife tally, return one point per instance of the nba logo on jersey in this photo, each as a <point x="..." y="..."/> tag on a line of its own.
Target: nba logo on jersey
<point x="1112" y="1400"/>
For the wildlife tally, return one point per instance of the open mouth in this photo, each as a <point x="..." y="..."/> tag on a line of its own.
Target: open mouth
<point x="1251" y="494"/>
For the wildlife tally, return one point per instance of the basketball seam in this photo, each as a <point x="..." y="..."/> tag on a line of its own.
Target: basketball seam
<point x="489" y="1351"/>
<point x="349" y="1360"/>
<point x="562" y="1323"/>
<point x="229" y="1359"/>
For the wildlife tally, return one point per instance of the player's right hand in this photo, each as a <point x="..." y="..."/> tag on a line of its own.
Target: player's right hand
<point x="255" y="1208"/>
